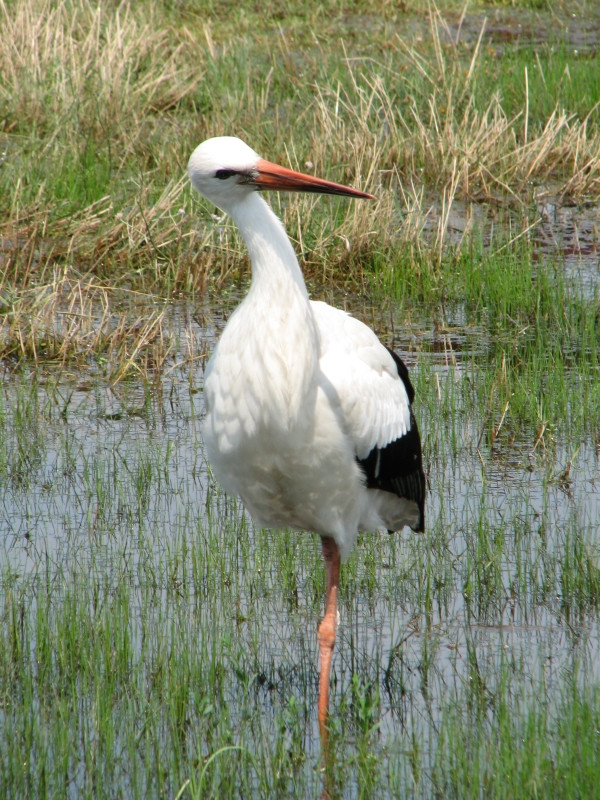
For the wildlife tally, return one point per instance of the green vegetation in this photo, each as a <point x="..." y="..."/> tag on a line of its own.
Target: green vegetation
<point x="153" y="644"/>
<point x="152" y="641"/>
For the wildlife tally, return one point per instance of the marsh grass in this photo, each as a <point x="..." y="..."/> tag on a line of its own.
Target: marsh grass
<point x="155" y="643"/>
<point x="102" y="106"/>
<point x="99" y="218"/>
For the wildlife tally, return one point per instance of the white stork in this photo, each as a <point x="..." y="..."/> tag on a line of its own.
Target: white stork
<point x="308" y="415"/>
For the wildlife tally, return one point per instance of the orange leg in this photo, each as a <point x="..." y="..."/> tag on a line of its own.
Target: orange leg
<point x="327" y="631"/>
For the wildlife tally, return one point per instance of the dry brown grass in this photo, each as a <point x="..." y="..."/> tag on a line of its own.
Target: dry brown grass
<point x="79" y="323"/>
<point x="102" y="105"/>
<point x="57" y="58"/>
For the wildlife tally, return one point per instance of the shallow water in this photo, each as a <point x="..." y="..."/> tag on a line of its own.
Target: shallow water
<point x="93" y="460"/>
<point x="502" y="28"/>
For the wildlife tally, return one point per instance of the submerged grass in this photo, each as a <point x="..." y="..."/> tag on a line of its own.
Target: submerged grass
<point x="155" y="644"/>
<point x="141" y="675"/>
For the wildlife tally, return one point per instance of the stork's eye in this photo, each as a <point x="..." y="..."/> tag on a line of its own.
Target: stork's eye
<point x="223" y="174"/>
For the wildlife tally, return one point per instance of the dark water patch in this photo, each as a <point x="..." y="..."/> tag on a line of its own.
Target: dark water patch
<point x="571" y="233"/>
<point x="523" y="28"/>
<point x="554" y="229"/>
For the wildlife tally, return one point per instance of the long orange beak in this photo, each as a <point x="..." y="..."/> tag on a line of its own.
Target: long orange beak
<point x="272" y="176"/>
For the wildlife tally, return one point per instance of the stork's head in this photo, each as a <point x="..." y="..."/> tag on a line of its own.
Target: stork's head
<point x="224" y="169"/>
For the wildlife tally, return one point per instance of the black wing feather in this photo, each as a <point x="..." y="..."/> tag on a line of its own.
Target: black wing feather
<point x="398" y="467"/>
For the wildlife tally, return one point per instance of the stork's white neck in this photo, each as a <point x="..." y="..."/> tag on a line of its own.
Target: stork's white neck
<point x="273" y="329"/>
<point x="271" y="253"/>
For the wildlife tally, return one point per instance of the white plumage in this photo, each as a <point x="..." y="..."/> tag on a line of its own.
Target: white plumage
<point x="308" y="415"/>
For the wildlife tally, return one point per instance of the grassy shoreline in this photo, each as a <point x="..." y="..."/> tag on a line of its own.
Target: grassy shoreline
<point x="102" y="106"/>
<point x="434" y="111"/>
